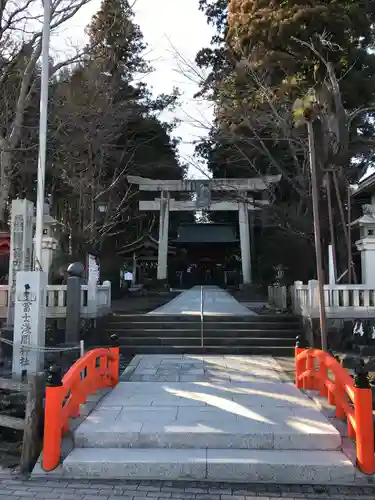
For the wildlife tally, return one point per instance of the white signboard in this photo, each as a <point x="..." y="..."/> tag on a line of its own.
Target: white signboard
<point x="93" y="280"/>
<point x="93" y="268"/>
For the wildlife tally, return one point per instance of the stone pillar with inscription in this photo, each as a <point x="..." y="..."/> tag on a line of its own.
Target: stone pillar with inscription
<point x="29" y="323"/>
<point x="92" y="285"/>
<point x="21" y="244"/>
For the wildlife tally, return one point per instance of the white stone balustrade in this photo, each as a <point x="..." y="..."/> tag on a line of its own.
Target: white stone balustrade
<point x="341" y="301"/>
<point x="278" y="297"/>
<point x="56" y="301"/>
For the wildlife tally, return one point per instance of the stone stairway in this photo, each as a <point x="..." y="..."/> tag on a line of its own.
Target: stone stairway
<point x="224" y="334"/>
<point x="216" y="418"/>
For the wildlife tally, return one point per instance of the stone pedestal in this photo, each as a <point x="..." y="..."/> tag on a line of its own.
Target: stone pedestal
<point x="366" y="245"/>
<point x="49" y="247"/>
<point x="73" y="302"/>
<point x="73" y="309"/>
<point x="163" y="238"/>
<point x="243" y="218"/>
<point x="21" y="244"/>
<point x="50" y="240"/>
<point x="367" y="248"/>
<point x="29" y="322"/>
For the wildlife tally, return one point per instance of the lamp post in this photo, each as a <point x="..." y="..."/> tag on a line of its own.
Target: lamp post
<point x="42" y="135"/>
<point x="305" y="113"/>
<point x="317" y="236"/>
<point x="102" y="207"/>
<point x="33" y="284"/>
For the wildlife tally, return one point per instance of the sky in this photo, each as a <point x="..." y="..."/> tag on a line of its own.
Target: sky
<point x="174" y="30"/>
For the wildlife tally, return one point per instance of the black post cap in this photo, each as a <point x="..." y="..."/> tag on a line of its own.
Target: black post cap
<point x="361" y="379"/>
<point x="114" y="340"/>
<point x="300" y="342"/>
<point x="76" y="269"/>
<point x="54" y="378"/>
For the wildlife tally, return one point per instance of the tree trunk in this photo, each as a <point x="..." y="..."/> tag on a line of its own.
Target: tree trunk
<point x="5" y="168"/>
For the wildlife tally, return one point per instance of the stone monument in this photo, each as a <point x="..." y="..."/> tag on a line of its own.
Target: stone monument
<point x="21" y="246"/>
<point x="29" y="325"/>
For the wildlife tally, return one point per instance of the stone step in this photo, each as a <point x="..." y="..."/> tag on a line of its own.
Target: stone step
<point x="177" y="333"/>
<point x="186" y="318"/>
<point x="196" y="438"/>
<point x="237" y="348"/>
<point x="317" y="467"/>
<point x="210" y="326"/>
<point x="240" y="425"/>
<point x="230" y="340"/>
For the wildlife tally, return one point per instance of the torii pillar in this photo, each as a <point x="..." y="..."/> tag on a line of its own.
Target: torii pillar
<point x="243" y="219"/>
<point x="162" y="271"/>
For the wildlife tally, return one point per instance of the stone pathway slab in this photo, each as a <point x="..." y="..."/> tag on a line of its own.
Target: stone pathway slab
<point x="216" y="301"/>
<point x="213" y="411"/>
<point x="235" y="418"/>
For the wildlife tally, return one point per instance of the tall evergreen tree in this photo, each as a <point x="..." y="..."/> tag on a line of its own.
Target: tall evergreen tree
<point x="270" y="53"/>
<point x="117" y="42"/>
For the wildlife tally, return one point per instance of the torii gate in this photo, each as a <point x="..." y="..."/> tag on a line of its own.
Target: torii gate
<point x="239" y="200"/>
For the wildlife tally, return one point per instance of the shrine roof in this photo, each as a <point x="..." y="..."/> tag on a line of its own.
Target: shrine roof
<point x="366" y="185"/>
<point x="206" y="233"/>
<point x="365" y="219"/>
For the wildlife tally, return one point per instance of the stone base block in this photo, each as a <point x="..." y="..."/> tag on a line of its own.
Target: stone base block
<point x="136" y="464"/>
<point x="319" y="467"/>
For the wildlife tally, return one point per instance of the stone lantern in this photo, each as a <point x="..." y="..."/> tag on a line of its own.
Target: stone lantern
<point x="50" y="240"/>
<point x="366" y="244"/>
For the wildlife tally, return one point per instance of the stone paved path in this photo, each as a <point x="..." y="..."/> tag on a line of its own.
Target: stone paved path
<point x="15" y="489"/>
<point x="215" y="302"/>
<point x="191" y="417"/>
<point x="213" y="402"/>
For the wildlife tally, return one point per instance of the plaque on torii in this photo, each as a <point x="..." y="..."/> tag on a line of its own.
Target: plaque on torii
<point x="203" y="194"/>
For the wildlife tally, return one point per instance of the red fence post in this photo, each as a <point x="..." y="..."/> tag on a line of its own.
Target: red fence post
<point x="299" y="364"/>
<point x="323" y="371"/>
<point x="310" y="380"/>
<point x="53" y="419"/>
<point x="115" y="363"/>
<point x="364" y="422"/>
<point x="338" y="396"/>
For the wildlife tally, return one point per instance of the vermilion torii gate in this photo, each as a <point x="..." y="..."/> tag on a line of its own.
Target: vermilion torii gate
<point x="239" y="194"/>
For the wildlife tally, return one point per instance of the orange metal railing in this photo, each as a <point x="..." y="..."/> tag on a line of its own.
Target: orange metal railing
<point x="318" y="370"/>
<point x="96" y="370"/>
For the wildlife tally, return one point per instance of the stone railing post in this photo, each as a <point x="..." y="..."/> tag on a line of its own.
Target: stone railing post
<point x="283" y="298"/>
<point x="271" y="298"/>
<point x="73" y="302"/>
<point x="296" y="297"/>
<point x="313" y="303"/>
<point x="109" y="295"/>
<point x="92" y="298"/>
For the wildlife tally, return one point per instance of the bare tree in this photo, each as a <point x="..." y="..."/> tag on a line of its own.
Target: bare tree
<point x="20" y="49"/>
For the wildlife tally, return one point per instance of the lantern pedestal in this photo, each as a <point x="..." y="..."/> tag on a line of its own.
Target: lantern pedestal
<point x="366" y="245"/>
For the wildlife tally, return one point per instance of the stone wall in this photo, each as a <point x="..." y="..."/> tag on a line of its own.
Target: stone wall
<point x="340" y="334"/>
